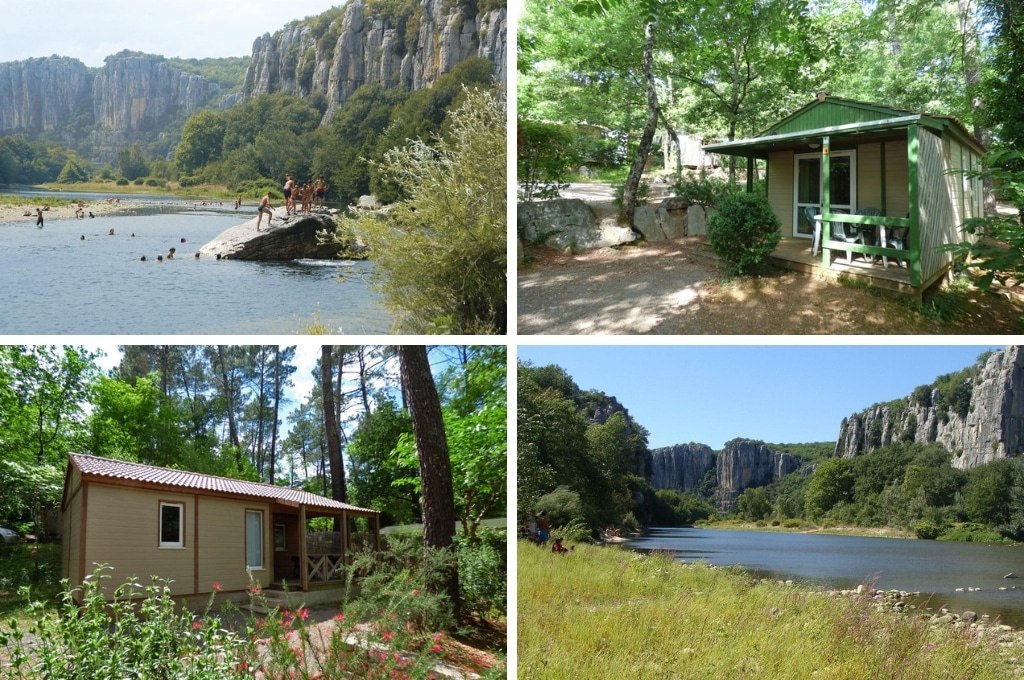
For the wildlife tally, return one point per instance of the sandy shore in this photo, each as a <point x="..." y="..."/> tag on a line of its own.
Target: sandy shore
<point x="12" y="213"/>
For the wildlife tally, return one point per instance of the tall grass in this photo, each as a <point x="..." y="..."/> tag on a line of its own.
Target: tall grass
<point x="606" y="613"/>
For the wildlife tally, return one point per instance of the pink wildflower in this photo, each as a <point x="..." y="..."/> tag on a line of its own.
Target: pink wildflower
<point x="388" y="635"/>
<point x="302" y="614"/>
<point x="339" y="617"/>
<point x="217" y="587"/>
<point x="436" y="649"/>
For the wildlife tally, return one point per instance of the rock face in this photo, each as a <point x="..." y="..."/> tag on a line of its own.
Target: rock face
<point x="292" y="240"/>
<point x="741" y="465"/>
<point x="992" y="426"/>
<point x="745" y="464"/>
<point x="130" y="98"/>
<point x="360" y="48"/>
<point x="665" y="222"/>
<point x="41" y="95"/>
<point x="680" y="467"/>
<point x="136" y="93"/>
<point x="568" y="224"/>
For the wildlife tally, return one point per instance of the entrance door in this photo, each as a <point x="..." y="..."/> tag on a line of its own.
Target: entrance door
<point x="808" y="188"/>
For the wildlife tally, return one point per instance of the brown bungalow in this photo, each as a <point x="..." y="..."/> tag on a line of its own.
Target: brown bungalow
<point x="199" y="530"/>
<point x="888" y="185"/>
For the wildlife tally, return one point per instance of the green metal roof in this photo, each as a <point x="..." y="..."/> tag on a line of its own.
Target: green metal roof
<point x="837" y="117"/>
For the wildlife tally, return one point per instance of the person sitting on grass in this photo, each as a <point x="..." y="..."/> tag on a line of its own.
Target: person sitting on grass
<point x="557" y="547"/>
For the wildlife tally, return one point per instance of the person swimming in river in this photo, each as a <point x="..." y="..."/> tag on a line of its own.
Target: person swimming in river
<point x="265" y="207"/>
<point x="170" y="254"/>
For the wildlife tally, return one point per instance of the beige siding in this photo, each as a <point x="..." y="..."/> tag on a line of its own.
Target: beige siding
<point x="122" y="530"/>
<point x="780" y="188"/>
<point x="72" y="530"/>
<point x="222" y="544"/>
<point x="935" y="202"/>
<point x="869" y="176"/>
<point x="897" y="180"/>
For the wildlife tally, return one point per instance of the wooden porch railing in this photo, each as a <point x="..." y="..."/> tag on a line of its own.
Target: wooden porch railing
<point x="324" y="568"/>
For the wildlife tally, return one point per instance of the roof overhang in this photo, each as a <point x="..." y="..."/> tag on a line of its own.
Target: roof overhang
<point x="759" y="147"/>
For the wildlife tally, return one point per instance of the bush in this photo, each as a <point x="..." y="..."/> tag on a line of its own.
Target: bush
<point x="703" y="190"/>
<point x="547" y="154"/>
<point x="482" y="574"/>
<point x="744" y="231"/>
<point x="563" y="506"/>
<point x="927" y="530"/>
<point x="186" y="181"/>
<point x="122" y="181"/>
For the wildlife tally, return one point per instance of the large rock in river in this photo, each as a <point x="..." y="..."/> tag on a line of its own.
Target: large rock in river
<point x="294" y="239"/>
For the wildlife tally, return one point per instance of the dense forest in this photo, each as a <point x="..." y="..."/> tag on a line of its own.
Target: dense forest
<point x="225" y="410"/>
<point x="588" y="469"/>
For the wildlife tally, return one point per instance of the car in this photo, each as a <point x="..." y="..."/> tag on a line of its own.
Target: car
<point x="8" y="535"/>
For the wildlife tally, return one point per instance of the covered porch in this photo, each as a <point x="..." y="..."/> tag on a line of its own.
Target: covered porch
<point x="861" y="189"/>
<point x="306" y="559"/>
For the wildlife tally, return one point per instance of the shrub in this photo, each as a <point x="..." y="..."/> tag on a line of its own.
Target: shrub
<point x="702" y="190"/>
<point x="744" y="231"/>
<point x="482" y="574"/>
<point x="547" y="154"/>
<point x="122" y="181"/>
<point x="927" y="530"/>
<point x="186" y="181"/>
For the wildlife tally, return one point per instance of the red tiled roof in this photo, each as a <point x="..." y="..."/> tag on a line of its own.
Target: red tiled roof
<point x="92" y="466"/>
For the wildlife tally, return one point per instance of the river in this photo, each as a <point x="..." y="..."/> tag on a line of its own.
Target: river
<point x="935" y="568"/>
<point x="54" y="282"/>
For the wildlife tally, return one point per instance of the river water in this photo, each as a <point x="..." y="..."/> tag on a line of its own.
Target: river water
<point x="935" y="568"/>
<point x="53" y="282"/>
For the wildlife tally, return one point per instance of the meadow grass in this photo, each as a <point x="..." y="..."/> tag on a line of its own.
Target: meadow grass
<point x="610" y="613"/>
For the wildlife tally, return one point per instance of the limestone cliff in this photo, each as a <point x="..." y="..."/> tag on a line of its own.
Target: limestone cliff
<point x="681" y="467"/>
<point x="336" y="55"/>
<point x="43" y="95"/>
<point x="741" y="465"/>
<point x="140" y="93"/>
<point x="979" y="419"/>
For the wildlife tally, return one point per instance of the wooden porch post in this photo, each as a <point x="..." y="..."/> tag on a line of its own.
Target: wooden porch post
<point x="750" y="174"/>
<point x="376" y="533"/>
<point x="344" y="537"/>
<point x="303" y="572"/>
<point x="915" y="208"/>
<point x="826" y="201"/>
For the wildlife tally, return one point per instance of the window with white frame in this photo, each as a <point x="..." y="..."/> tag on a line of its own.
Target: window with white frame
<point x="172" y="525"/>
<point x="254" y="539"/>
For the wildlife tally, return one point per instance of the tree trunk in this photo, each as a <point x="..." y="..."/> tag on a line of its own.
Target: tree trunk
<point x="435" y="467"/>
<point x="229" y="401"/>
<point x="338" y="490"/>
<point x="636" y="170"/>
<point x="277" y="411"/>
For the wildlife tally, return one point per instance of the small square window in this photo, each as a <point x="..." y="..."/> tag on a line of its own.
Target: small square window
<point x="280" y="538"/>
<point x="172" y="523"/>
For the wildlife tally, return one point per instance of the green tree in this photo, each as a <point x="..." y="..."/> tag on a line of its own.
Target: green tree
<point x="375" y="468"/>
<point x="832" y="483"/>
<point x="133" y="162"/>
<point x="441" y="252"/>
<point x="754" y="505"/>
<point x="75" y="170"/>
<point x="202" y="140"/>
<point x="987" y="494"/>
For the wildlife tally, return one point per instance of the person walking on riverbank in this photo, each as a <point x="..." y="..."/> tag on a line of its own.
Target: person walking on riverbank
<point x="39" y="218"/>
<point x="265" y="207"/>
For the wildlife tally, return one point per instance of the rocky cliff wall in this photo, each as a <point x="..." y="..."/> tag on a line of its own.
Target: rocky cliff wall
<point x="741" y="465"/>
<point x="369" y="49"/>
<point x="140" y="94"/>
<point x="680" y="467"/>
<point x="42" y="95"/>
<point x="991" y="428"/>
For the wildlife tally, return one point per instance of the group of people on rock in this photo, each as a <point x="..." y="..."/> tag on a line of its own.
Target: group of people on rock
<point x="312" y="195"/>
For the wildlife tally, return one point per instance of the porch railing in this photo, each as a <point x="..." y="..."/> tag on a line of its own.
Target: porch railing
<point x="880" y="224"/>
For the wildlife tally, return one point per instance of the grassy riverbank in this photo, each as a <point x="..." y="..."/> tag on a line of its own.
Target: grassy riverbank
<point x="606" y="613"/>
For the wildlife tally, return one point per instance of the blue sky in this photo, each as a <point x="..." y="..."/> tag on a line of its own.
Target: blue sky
<point x="777" y="394"/>
<point x="94" y="29"/>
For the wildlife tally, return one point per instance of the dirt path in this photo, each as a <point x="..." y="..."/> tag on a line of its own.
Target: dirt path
<point x="666" y="288"/>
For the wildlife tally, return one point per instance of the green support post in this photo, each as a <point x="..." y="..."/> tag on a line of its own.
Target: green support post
<point x="915" y="208"/>
<point x="826" y="199"/>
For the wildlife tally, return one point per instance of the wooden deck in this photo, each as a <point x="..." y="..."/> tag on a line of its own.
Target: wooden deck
<point x="795" y="253"/>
